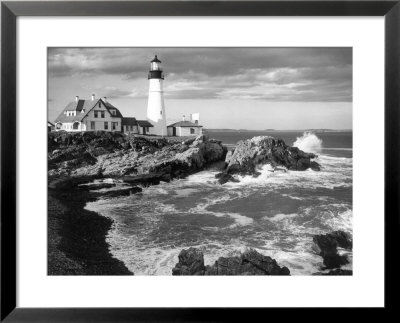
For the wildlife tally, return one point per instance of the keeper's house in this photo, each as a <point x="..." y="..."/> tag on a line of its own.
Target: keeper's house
<point x="96" y="114"/>
<point x="89" y="115"/>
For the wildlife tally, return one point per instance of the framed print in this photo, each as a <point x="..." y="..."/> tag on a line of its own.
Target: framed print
<point x="225" y="139"/>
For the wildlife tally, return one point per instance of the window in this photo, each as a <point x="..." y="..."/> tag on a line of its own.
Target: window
<point x="106" y="125"/>
<point x="114" y="125"/>
<point x="147" y="129"/>
<point x="113" y="112"/>
<point x="103" y="114"/>
<point x="191" y="131"/>
<point x="99" y="104"/>
<point x="92" y="125"/>
<point x="96" y="114"/>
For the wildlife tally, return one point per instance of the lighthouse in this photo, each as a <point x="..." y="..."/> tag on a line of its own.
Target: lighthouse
<point x="155" y="104"/>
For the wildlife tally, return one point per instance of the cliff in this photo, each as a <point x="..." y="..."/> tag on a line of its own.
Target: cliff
<point x="132" y="158"/>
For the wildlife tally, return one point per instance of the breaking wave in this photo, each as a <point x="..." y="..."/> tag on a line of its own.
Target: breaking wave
<point x="308" y="142"/>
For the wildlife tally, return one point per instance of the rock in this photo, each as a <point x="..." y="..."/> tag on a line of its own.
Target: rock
<point x="251" y="262"/>
<point x="146" y="179"/>
<point x="191" y="262"/>
<point x="95" y="186"/>
<point x="123" y="191"/>
<point x="258" y="151"/>
<point x="189" y="141"/>
<point x="343" y="239"/>
<point x="338" y="272"/>
<point x="326" y="246"/>
<point x="224" y="178"/>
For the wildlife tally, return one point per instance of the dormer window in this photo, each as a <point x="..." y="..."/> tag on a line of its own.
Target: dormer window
<point x="70" y="113"/>
<point x="113" y="112"/>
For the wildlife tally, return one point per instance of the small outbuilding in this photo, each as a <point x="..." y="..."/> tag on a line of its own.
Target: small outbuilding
<point x="130" y="125"/>
<point x="144" y="127"/>
<point x="184" y="128"/>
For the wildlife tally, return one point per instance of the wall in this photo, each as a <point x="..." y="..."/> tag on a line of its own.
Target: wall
<point x="149" y="132"/>
<point x="134" y="129"/>
<point x="185" y="131"/>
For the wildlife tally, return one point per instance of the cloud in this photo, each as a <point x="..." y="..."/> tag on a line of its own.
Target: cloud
<point x="276" y="74"/>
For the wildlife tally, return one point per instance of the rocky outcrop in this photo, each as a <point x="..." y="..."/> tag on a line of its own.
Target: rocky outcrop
<point x="191" y="263"/>
<point x="251" y="262"/>
<point x="262" y="150"/>
<point x="326" y="246"/>
<point x="134" y="158"/>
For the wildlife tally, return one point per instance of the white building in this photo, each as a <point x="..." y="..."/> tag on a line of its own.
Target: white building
<point x="89" y="115"/>
<point x="155" y="106"/>
<point x="186" y="128"/>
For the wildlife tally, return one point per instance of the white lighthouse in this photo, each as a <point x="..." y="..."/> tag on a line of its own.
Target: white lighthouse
<point x="155" y="105"/>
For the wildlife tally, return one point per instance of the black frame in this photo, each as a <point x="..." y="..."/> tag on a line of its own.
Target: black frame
<point x="11" y="10"/>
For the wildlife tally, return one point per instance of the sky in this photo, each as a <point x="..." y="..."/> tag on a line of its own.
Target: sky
<point x="238" y="88"/>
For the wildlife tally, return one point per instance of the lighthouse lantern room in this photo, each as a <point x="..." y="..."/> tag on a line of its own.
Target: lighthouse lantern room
<point x="155" y="105"/>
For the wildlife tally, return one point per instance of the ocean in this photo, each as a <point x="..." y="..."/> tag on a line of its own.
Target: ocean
<point x="276" y="213"/>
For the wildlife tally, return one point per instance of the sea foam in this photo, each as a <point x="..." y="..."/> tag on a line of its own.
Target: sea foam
<point x="308" y="142"/>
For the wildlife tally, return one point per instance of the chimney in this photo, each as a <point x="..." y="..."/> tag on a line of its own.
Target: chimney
<point x="93" y="97"/>
<point x="183" y="118"/>
<point x="77" y="98"/>
<point x="105" y="99"/>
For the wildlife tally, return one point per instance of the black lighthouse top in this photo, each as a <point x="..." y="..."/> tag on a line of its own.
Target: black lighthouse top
<point x="155" y="69"/>
<point x="155" y="60"/>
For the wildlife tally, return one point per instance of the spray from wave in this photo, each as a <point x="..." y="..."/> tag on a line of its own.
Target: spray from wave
<point x="308" y="142"/>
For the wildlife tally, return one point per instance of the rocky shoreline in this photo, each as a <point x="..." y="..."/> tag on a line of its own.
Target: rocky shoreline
<point x="77" y="237"/>
<point x="78" y="164"/>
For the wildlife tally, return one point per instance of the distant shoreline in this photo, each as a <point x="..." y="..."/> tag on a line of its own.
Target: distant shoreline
<point x="278" y="130"/>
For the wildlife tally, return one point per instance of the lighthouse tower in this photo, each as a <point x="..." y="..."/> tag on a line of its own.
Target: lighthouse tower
<point x="155" y="105"/>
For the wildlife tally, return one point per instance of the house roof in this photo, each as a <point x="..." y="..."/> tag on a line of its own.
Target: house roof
<point x="144" y="123"/>
<point x="49" y="123"/>
<point x="155" y="60"/>
<point x="110" y="106"/>
<point x="184" y="124"/>
<point x="86" y="106"/>
<point x="129" y="122"/>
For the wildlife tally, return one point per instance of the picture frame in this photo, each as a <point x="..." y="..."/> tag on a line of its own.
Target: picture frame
<point x="11" y="10"/>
